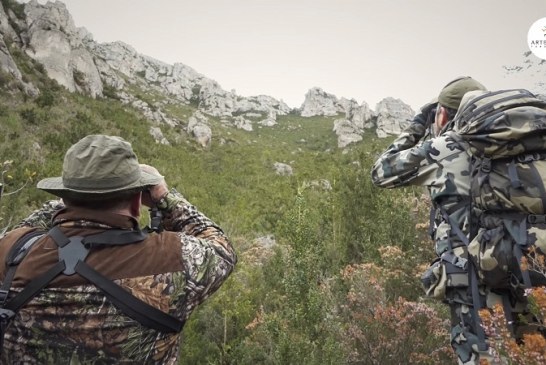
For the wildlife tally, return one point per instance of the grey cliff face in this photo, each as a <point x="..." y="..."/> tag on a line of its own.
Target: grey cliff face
<point x="393" y="116"/>
<point x="71" y="57"/>
<point x="54" y="41"/>
<point x="7" y="64"/>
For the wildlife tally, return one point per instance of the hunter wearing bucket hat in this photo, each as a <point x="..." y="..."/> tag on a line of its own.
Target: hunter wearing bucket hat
<point x="443" y="167"/>
<point x="113" y="292"/>
<point x="99" y="166"/>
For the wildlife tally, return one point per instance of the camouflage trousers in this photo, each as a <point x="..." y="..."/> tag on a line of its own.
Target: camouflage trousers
<point x="464" y="338"/>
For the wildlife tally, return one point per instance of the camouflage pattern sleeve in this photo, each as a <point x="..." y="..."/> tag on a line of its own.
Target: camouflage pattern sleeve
<point x="400" y="162"/>
<point x="207" y="253"/>
<point x="41" y="218"/>
<point x="408" y="163"/>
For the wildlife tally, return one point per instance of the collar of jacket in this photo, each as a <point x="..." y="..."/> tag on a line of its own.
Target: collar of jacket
<point x="112" y="220"/>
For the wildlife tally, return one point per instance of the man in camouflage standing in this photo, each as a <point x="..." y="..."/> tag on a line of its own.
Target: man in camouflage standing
<point x="103" y="188"/>
<point x="442" y="165"/>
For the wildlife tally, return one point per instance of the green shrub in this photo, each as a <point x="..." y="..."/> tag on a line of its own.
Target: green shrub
<point x="29" y="115"/>
<point x="46" y="99"/>
<point x="17" y="8"/>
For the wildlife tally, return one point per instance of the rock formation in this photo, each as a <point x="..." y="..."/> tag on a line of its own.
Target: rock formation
<point x="70" y="56"/>
<point x="393" y="116"/>
<point x="53" y="40"/>
<point x="319" y="102"/>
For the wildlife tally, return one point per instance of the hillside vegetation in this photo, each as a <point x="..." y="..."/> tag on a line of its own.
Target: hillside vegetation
<point x="341" y="284"/>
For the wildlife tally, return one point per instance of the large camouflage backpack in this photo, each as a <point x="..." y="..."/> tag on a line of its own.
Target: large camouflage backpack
<point x="505" y="132"/>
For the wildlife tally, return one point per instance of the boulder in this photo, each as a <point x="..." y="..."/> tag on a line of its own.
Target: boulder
<point x="200" y="130"/>
<point x="283" y="169"/>
<point x="347" y="132"/>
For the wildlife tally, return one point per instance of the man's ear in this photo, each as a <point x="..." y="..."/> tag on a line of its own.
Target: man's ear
<point x="442" y="117"/>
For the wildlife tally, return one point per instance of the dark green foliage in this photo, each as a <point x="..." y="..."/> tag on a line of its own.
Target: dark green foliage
<point x="5" y="78"/>
<point x="17" y="8"/>
<point x="195" y="99"/>
<point x="79" y="77"/>
<point x="109" y="92"/>
<point x="29" y="115"/>
<point x="46" y="98"/>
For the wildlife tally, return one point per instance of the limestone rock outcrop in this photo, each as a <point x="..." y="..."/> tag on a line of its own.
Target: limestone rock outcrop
<point x="319" y="102"/>
<point x="68" y="54"/>
<point x="54" y="41"/>
<point x="7" y="63"/>
<point x="393" y="116"/>
<point x="198" y="127"/>
<point x="347" y="132"/>
<point x="283" y="169"/>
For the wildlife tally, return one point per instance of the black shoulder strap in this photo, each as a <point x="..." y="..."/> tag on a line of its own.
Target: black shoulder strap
<point x="72" y="254"/>
<point x="16" y="254"/>
<point x="133" y="307"/>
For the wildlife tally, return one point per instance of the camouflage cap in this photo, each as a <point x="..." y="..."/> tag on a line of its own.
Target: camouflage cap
<point x="99" y="165"/>
<point x="452" y="94"/>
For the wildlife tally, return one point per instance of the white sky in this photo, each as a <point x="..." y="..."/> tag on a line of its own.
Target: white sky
<point x="360" y="49"/>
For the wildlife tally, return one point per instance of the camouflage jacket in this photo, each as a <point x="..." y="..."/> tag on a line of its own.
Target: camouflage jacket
<point x="72" y="322"/>
<point x="442" y="165"/>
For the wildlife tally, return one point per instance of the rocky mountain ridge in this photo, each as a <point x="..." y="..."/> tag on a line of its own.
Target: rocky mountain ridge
<point x="70" y="56"/>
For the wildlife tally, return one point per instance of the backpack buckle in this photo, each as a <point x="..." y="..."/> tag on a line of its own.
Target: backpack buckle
<point x="6" y="315"/>
<point x="529" y="157"/>
<point x="3" y="296"/>
<point x="72" y="253"/>
<point x="536" y="218"/>
<point x="486" y="165"/>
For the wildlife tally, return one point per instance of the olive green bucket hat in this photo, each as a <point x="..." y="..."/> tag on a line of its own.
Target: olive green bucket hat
<point x="98" y="167"/>
<point x="452" y="94"/>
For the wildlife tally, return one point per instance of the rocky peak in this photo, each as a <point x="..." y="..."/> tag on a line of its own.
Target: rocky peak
<point x="393" y="116"/>
<point x="319" y="102"/>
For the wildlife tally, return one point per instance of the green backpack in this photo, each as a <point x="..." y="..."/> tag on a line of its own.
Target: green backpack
<point x="505" y="132"/>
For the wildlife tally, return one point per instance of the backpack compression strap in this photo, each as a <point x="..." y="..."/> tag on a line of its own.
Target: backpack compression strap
<point x="473" y="282"/>
<point x="72" y="254"/>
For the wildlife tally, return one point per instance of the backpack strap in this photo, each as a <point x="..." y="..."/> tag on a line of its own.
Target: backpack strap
<point x="72" y="254"/>
<point x="473" y="282"/>
<point x="16" y="254"/>
<point x="133" y="307"/>
<point x="472" y="110"/>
